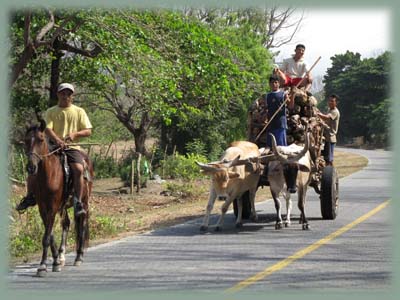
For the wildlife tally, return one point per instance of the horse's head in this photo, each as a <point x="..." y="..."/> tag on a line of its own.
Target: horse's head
<point x="35" y="146"/>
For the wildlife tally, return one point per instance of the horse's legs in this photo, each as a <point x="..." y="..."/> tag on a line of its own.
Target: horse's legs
<point x="65" y="223"/>
<point x="82" y="228"/>
<point x="46" y="241"/>
<point x="80" y="238"/>
<point x="54" y="251"/>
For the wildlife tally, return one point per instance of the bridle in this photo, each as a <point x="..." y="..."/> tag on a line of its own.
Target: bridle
<point x="42" y="156"/>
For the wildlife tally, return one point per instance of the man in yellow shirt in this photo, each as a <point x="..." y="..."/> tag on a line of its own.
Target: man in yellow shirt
<point x="66" y="122"/>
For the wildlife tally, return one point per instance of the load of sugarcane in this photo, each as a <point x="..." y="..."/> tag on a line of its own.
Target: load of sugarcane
<point x="302" y="118"/>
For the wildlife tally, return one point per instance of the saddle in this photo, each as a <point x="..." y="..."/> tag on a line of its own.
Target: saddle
<point x="68" y="184"/>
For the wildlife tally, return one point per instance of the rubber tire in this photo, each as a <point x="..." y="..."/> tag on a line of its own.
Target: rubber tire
<point x="329" y="196"/>
<point x="246" y="212"/>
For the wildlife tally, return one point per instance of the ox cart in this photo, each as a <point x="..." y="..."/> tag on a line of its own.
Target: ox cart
<point x="324" y="178"/>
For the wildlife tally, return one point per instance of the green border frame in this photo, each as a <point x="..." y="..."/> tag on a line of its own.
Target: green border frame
<point x="394" y="8"/>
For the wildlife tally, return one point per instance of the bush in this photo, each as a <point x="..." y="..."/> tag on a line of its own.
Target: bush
<point x="182" y="166"/>
<point x="105" y="167"/>
<point x="17" y="163"/>
<point x="185" y="189"/>
<point x="197" y="147"/>
<point x="125" y="170"/>
<point x="25" y="232"/>
<point x="103" y="226"/>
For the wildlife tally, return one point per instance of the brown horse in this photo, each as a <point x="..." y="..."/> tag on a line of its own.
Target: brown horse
<point x="50" y="196"/>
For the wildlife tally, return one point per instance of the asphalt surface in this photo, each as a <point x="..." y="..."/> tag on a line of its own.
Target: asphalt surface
<point x="358" y="258"/>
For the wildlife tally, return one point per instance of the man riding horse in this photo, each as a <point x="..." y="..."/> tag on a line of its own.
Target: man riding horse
<point x="66" y="122"/>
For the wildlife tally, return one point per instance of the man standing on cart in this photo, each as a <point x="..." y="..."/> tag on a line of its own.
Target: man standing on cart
<point x="332" y="121"/>
<point x="276" y="111"/>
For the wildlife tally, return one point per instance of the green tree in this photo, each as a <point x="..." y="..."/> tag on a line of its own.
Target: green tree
<point x="156" y="70"/>
<point x="172" y="72"/>
<point x="362" y="85"/>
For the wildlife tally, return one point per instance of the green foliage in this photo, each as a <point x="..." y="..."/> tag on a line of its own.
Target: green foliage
<point x="182" y="166"/>
<point x="197" y="146"/>
<point x="362" y="86"/>
<point x="157" y="69"/>
<point x="103" y="226"/>
<point x="105" y="167"/>
<point x="106" y="128"/>
<point x="25" y="238"/>
<point x="22" y="244"/>
<point x="17" y="163"/>
<point x="233" y="70"/>
<point x="379" y="123"/>
<point x="125" y="169"/>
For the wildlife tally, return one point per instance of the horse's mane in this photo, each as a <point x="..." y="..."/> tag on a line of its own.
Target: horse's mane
<point x="32" y="128"/>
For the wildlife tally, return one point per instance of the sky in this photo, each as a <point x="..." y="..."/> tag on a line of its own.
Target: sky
<point x="326" y="33"/>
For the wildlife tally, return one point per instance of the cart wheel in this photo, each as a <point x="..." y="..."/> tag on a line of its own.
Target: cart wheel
<point x="329" y="193"/>
<point x="246" y="212"/>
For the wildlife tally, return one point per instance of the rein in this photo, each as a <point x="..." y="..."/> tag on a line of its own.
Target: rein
<point x="41" y="157"/>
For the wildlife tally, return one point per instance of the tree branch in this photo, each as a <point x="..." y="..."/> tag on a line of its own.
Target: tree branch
<point x="38" y="40"/>
<point x="88" y="53"/>
<point x="27" y="28"/>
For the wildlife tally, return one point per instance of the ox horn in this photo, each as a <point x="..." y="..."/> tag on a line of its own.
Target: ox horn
<point x="278" y="155"/>
<point x="305" y="149"/>
<point x="207" y="167"/>
<point x="284" y="158"/>
<point x="230" y="163"/>
<point x="216" y="166"/>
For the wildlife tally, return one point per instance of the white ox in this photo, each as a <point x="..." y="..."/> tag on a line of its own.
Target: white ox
<point x="290" y="173"/>
<point x="237" y="172"/>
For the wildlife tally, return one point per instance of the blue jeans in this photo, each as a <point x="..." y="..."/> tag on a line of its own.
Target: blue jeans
<point x="328" y="151"/>
<point x="280" y="137"/>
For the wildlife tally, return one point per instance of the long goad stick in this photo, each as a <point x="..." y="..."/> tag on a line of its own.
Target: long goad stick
<point x="284" y="102"/>
<point x="81" y="144"/>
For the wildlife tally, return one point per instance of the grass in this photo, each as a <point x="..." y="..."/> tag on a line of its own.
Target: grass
<point x="348" y="163"/>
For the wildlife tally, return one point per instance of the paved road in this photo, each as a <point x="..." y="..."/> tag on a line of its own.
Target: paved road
<point x="180" y="258"/>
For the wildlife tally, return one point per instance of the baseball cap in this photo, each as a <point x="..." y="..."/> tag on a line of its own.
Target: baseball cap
<point x="64" y="86"/>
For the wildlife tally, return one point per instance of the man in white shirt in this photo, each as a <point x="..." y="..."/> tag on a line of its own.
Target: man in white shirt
<point x="294" y="69"/>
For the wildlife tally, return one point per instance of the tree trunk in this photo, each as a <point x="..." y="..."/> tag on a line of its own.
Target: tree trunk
<point x="54" y="77"/>
<point x="139" y="133"/>
<point x="19" y="66"/>
<point x="140" y="139"/>
<point x="55" y="72"/>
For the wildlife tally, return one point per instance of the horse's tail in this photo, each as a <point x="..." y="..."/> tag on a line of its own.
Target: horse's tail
<point x="86" y="226"/>
<point x="84" y="222"/>
<point x="82" y="230"/>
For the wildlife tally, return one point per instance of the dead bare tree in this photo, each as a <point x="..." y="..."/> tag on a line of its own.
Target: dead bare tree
<point x="277" y="26"/>
<point x="281" y="21"/>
